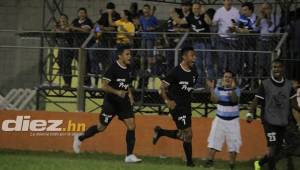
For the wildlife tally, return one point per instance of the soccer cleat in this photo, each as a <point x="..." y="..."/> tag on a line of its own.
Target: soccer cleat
<point x="256" y="165"/>
<point x="190" y="164"/>
<point x="77" y="143"/>
<point x="156" y="135"/>
<point x="132" y="159"/>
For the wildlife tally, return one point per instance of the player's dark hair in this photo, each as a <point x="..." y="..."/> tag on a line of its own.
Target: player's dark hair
<point x="147" y="6"/>
<point x="229" y="71"/>
<point x="110" y="5"/>
<point x="250" y="5"/>
<point x="128" y="14"/>
<point x="121" y="48"/>
<point x="278" y="61"/>
<point x="82" y="9"/>
<point x="65" y="15"/>
<point x="185" y="50"/>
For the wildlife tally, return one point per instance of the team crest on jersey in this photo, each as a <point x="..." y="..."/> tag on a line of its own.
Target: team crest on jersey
<point x="184" y="86"/>
<point x="122" y="83"/>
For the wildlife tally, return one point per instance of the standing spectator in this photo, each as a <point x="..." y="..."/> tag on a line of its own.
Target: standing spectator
<point x="186" y="8"/>
<point x="65" y="56"/>
<point x="226" y="125"/>
<point x="199" y="23"/>
<point x="266" y="24"/>
<point x="247" y="24"/>
<point x="105" y="26"/>
<point x="224" y="19"/>
<point x="100" y="60"/>
<point x="81" y="26"/>
<point x="277" y="97"/>
<point x="148" y="23"/>
<point x="173" y="39"/>
<point x="125" y="27"/>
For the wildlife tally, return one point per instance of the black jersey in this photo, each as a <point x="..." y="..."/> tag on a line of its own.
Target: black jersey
<point x="197" y="23"/>
<point x="181" y="83"/>
<point x="119" y="78"/>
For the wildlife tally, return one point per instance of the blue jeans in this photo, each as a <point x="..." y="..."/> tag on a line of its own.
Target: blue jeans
<point x="203" y="62"/>
<point x="228" y="60"/>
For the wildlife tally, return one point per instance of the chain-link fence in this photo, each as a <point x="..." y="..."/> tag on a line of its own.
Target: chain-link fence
<point x="66" y="68"/>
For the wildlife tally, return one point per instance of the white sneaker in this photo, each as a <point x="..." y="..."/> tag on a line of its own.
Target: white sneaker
<point x="132" y="159"/>
<point x="77" y="143"/>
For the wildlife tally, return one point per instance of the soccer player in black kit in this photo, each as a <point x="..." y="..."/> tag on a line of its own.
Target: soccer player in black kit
<point x="118" y="100"/>
<point x="176" y="91"/>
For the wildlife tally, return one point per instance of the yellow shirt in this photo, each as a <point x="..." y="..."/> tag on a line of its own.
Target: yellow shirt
<point x="125" y="30"/>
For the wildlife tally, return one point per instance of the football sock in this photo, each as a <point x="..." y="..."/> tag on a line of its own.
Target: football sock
<point x="130" y="141"/>
<point x="169" y="133"/>
<point x="188" y="151"/>
<point x="91" y="131"/>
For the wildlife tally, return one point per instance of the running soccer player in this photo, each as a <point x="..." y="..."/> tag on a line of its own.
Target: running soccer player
<point x="176" y="91"/>
<point x="118" y="100"/>
<point x="226" y="125"/>
<point x="277" y="97"/>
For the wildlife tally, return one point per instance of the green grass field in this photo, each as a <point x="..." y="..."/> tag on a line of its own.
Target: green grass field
<point x="11" y="160"/>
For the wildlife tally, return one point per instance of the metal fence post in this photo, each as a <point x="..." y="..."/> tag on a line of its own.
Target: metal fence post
<point x="176" y="58"/>
<point x="81" y="74"/>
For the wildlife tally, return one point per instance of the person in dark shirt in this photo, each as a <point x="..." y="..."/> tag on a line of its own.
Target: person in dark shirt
<point x="81" y="26"/>
<point x="65" y="56"/>
<point x="104" y="38"/>
<point x="277" y="97"/>
<point x="199" y="23"/>
<point x="118" y="100"/>
<point x="108" y="38"/>
<point x="176" y="91"/>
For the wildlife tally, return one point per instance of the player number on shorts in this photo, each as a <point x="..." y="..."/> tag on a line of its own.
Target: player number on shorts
<point x="272" y="136"/>
<point x="182" y="118"/>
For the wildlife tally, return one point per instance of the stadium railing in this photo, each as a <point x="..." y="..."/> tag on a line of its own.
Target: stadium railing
<point x="166" y="51"/>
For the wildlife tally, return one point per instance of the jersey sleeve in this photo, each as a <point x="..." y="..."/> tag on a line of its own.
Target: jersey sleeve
<point x="109" y="74"/>
<point x="170" y="78"/>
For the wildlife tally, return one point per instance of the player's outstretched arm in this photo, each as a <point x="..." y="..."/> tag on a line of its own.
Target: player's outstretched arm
<point x="108" y="89"/>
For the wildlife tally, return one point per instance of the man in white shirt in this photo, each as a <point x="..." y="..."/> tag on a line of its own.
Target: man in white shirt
<point x="224" y="19"/>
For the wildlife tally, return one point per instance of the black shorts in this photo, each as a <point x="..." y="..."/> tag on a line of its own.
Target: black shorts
<point x="274" y="134"/>
<point x="182" y="116"/>
<point x="111" y="108"/>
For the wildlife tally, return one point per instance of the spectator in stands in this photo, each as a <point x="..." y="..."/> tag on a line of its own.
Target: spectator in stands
<point x="65" y="56"/>
<point x="186" y="8"/>
<point x="107" y="36"/>
<point x="125" y="27"/>
<point x="199" y="22"/>
<point x="100" y="60"/>
<point x="148" y="23"/>
<point x="226" y="125"/>
<point x="247" y="24"/>
<point x="172" y="39"/>
<point x="247" y="20"/>
<point x="266" y="24"/>
<point x="224" y="19"/>
<point x="82" y="24"/>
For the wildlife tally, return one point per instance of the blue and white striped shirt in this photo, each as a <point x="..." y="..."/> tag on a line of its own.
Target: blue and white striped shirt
<point x="226" y="109"/>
